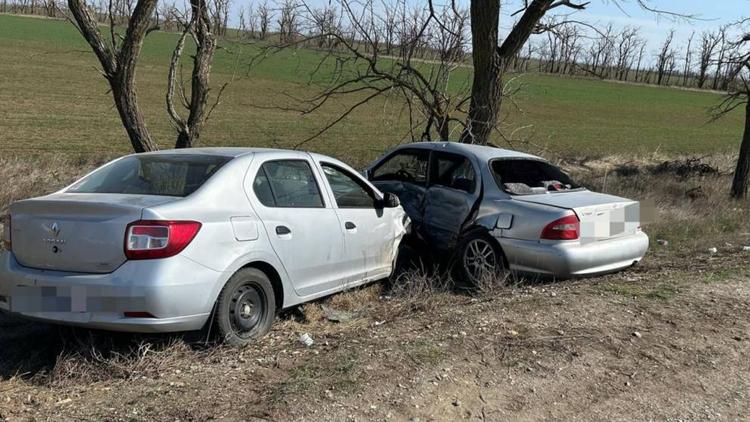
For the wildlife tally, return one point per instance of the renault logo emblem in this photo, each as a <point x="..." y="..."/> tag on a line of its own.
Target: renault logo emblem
<point x="53" y="230"/>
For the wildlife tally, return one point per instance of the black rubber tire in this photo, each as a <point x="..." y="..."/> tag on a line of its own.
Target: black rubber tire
<point x="250" y="282"/>
<point x="460" y="271"/>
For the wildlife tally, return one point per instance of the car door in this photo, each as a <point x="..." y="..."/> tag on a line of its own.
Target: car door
<point x="371" y="232"/>
<point x="404" y="173"/>
<point x="302" y="227"/>
<point x="450" y="198"/>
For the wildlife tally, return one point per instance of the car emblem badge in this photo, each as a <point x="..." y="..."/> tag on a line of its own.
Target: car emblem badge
<point x="54" y="229"/>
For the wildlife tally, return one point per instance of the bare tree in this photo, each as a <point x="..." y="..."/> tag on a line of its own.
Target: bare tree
<point x="491" y="61"/>
<point x="665" y="59"/>
<point x="688" y="60"/>
<point x="264" y="20"/>
<point x="324" y="22"/>
<point x="709" y="43"/>
<point x="435" y="36"/>
<point x="739" y="59"/>
<point x="219" y="15"/>
<point x="252" y="21"/>
<point x="722" y="49"/>
<point x="200" y="29"/>
<point x="118" y="58"/>
<point x="288" y="21"/>
<point x="641" y="53"/>
<point x="388" y="26"/>
<point x="627" y="43"/>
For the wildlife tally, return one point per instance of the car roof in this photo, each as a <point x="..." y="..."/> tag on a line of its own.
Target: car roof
<point x="482" y="152"/>
<point x="222" y="151"/>
<point x="235" y="152"/>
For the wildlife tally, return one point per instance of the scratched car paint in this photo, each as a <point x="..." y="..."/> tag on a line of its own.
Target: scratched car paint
<point x="175" y="240"/>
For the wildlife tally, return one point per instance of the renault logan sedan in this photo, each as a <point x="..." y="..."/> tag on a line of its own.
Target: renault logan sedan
<point x="173" y="240"/>
<point x="489" y="209"/>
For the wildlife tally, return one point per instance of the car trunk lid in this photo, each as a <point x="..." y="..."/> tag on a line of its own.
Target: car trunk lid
<point x="76" y="232"/>
<point x="602" y="216"/>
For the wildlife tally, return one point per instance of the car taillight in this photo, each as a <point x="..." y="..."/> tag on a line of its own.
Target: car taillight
<point x="566" y="228"/>
<point x="6" y="233"/>
<point x="158" y="239"/>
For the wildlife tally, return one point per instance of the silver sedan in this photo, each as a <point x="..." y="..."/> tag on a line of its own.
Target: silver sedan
<point x="490" y="209"/>
<point x="219" y="238"/>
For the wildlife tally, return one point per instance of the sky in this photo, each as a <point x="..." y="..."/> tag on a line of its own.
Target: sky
<point x="709" y="14"/>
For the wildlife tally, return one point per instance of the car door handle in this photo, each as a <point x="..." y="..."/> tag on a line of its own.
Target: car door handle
<point x="350" y="226"/>
<point x="281" y="230"/>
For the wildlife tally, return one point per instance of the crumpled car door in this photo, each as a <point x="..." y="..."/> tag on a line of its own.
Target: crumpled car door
<point x="450" y="199"/>
<point x="411" y="197"/>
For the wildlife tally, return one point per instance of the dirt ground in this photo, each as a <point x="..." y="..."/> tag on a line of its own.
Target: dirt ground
<point x="669" y="340"/>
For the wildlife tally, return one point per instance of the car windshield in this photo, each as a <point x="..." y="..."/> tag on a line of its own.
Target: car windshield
<point x="529" y="177"/>
<point x="161" y="174"/>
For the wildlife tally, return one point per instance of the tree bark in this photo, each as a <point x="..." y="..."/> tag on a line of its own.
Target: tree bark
<point x="741" y="173"/>
<point x="189" y="130"/>
<point x="119" y="65"/>
<point x="486" y="92"/>
<point x="491" y="62"/>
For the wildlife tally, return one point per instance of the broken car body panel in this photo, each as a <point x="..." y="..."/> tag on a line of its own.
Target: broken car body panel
<point x="513" y="211"/>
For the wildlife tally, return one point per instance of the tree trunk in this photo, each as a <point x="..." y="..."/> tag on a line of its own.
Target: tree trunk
<point x="741" y="173"/>
<point x="491" y="62"/>
<point x="119" y="65"/>
<point x="189" y="130"/>
<point x="486" y="89"/>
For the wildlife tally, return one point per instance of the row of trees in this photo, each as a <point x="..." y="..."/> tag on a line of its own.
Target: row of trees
<point x="119" y="12"/>
<point x="624" y="54"/>
<point x="562" y="47"/>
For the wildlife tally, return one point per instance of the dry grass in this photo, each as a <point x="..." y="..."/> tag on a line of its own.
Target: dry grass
<point x="28" y="175"/>
<point x="689" y="209"/>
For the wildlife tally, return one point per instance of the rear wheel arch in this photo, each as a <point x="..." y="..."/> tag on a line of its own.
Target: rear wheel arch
<point x="474" y="229"/>
<point x="273" y="275"/>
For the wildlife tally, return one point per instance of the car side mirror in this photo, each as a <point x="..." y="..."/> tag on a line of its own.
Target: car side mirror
<point x="389" y="201"/>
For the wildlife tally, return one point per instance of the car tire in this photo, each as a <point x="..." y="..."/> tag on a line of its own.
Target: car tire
<point x="477" y="255"/>
<point x="246" y="308"/>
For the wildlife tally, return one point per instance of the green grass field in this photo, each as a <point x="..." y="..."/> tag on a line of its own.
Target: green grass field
<point x="52" y="98"/>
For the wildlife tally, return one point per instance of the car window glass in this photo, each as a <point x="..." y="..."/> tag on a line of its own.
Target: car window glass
<point x="262" y="188"/>
<point x="291" y="184"/>
<point x="347" y="190"/>
<point x="407" y="166"/>
<point x="156" y="174"/>
<point x="525" y="177"/>
<point x="454" y="171"/>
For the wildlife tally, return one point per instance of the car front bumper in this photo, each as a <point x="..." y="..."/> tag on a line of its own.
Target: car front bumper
<point x="570" y="259"/>
<point x="176" y="291"/>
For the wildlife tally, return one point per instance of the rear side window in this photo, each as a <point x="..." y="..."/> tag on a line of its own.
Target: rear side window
<point x="526" y="177"/>
<point x="287" y="184"/>
<point x="454" y="171"/>
<point x="405" y="166"/>
<point x="158" y="174"/>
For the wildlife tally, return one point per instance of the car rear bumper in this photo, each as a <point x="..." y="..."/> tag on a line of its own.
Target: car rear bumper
<point x="177" y="292"/>
<point x="569" y="259"/>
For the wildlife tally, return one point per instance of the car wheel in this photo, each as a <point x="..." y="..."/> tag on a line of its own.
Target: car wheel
<point x="478" y="256"/>
<point x="246" y="308"/>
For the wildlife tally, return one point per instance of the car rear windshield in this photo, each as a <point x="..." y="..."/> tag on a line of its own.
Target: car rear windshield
<point x="164" y="175"/>
<point x="528" y="177"/>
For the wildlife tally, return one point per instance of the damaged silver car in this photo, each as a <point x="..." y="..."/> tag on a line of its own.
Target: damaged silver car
<point x="488" y="210"/>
